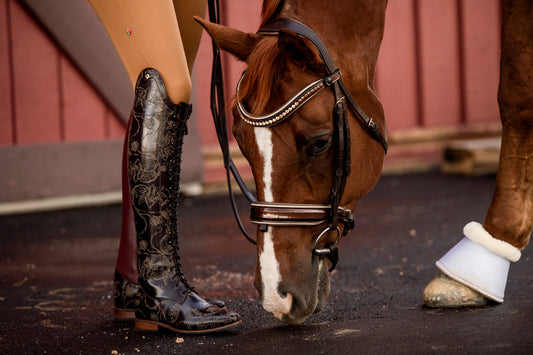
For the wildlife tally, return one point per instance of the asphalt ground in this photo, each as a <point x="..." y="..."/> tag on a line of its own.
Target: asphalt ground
<point x="57" y="267"/>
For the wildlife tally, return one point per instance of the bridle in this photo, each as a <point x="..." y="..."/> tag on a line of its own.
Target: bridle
<point x="277" y="214"/>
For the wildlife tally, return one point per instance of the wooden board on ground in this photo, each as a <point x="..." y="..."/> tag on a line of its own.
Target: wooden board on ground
<point x="472" y="157"/>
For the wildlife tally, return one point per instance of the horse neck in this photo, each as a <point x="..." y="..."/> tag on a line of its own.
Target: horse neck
<point x="352" y="29"/>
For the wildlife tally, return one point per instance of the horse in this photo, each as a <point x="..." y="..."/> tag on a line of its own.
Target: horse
<point x="308" y="120"/>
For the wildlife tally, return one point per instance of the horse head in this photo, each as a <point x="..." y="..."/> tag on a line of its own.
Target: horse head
<point x="295" y="161"/>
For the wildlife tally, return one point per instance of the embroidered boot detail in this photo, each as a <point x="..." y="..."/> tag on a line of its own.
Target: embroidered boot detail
<point x="165" y="298"/>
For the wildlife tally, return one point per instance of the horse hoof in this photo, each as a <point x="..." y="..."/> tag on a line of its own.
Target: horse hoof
<point x="444" y="292"/>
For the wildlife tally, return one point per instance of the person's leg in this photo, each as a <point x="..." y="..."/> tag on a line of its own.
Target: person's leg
<point x="147" y="38"/>
<point x="191" y="31"/>
<point x="132" y="26"/>
<point x="146" y="35"/>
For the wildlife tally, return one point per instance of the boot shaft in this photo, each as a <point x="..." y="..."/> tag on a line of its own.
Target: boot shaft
<point x="154" y="158"/>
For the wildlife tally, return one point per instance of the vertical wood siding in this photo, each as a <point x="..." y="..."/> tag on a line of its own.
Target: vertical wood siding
<point x="44" y="97"/>
<point x="397" y="63"/>
<point x="439" y="63"/>
<point x="481" y="39"/>
<point x="439" y="56"/>
<point x="241" y="14"/>
<point x="36" y="87"/>
<point x="6" y="107"/>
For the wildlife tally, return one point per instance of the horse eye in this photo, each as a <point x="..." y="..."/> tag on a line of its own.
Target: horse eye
<point x="318" y="145"/>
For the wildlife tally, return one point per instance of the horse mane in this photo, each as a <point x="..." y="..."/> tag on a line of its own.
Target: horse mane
<point x="270" y="9"/>
<point x="265" y="64"/>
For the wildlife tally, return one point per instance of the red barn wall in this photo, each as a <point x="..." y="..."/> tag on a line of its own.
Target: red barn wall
<point x="437" y="70"/>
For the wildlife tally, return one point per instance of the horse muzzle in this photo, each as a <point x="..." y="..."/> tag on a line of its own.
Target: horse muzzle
<point x="295" y="297"/>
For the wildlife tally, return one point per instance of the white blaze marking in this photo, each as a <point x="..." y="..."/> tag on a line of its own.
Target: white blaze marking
<point x="263" y="139"/>
<point x="270" y="275"/>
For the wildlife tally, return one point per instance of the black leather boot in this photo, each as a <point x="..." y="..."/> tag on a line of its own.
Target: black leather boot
<point x="164" y="298"/>
<point x="125" y="295"/>
<point x="124" y="288"/>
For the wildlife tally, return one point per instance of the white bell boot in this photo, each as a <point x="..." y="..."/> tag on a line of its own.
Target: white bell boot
<point x="478" y="261"/>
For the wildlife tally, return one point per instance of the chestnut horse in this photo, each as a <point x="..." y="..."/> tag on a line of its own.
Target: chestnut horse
<point x="295" y="159"/>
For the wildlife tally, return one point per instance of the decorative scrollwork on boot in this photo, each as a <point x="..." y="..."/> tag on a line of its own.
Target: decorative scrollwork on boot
<point x="165" y="298"/>
<point x="124" y="297"/>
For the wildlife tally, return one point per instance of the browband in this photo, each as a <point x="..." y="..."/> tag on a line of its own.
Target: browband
<point x="289" y="107"/>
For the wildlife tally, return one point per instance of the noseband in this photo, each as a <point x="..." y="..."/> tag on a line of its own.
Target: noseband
<point x="277" y="214"/>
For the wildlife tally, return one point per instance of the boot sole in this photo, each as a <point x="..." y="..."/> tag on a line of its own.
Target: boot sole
<point x="142" y="325"/>
<point x="124" y="314"/>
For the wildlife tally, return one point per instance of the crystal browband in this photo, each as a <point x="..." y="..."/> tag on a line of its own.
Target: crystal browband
<point x="289" y="107"/>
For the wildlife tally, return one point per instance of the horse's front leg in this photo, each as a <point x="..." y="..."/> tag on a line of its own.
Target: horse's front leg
<point x="476" y="269"/>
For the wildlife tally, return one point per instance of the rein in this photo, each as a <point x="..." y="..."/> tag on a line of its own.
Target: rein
<point x="218" y="110"/>
<point x="288" y="214"/>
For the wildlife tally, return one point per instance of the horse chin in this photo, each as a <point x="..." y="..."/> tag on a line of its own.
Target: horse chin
<point x="302" y="307"/>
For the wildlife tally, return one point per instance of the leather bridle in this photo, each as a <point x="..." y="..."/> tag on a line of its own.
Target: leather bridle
<point x="278" y="214"/>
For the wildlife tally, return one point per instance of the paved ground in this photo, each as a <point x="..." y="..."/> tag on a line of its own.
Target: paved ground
<point x="56" y="270"/>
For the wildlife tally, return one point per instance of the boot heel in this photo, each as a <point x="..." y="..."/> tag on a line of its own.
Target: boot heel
<point x="124" y="314"/>
<point x="145" y="326"/>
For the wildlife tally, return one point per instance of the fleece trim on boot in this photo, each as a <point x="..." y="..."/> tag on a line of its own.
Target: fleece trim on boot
<point x="476" y="233"/>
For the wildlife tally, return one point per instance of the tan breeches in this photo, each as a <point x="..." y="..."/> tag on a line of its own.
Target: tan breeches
<point x="160" y="34"/>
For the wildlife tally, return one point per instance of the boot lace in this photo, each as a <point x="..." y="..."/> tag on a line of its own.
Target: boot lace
<point x="178" y="128"/>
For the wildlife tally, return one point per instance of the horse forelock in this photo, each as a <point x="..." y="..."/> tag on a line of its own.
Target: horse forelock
<point x="265" y="66"/>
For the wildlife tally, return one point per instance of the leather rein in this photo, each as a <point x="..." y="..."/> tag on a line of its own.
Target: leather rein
<point x="267" y="214"/>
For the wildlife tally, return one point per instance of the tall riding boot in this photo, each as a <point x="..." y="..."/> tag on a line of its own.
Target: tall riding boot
<point x="126" y="275"/>
<point x="165" y="299"/>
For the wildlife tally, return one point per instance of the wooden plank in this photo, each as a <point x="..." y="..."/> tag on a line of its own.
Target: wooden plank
<point x="440" y="62"/>
<point x="59" y="169"/>
<point x="72" y="168"/>
<point x="115" y="128"/>
<point x="481" y="23"/>
<point x="6" y="89"/>
<point x="472" y="157"/>
<point x="36" y="86"/>
<point x="243" y="15"/>
<point x="396" y="71"/>
<point x="76" y="28"/>
<point x="84" y="112"/>
<point x="201" y="112"/>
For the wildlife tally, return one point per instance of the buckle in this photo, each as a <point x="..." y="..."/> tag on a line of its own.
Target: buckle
<point x="333" y="77"/>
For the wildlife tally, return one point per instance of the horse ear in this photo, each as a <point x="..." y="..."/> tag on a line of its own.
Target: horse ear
<point x="299" y="50"/>
<point x="233" y="41"/>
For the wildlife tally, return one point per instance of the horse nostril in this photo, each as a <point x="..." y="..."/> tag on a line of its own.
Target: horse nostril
<point x="277" y="304"/>
<point x="281" y="307"/>
<point x="282" y="293"/>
